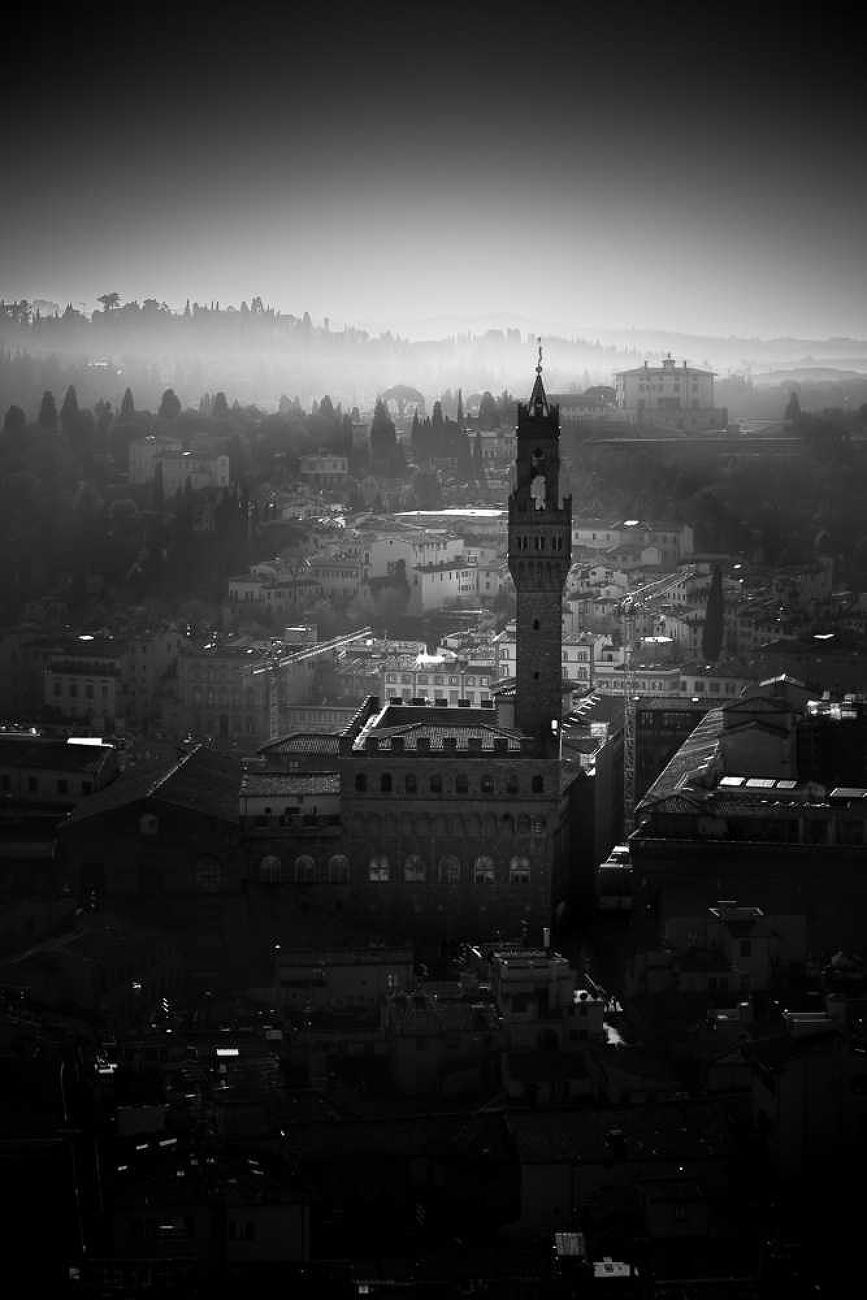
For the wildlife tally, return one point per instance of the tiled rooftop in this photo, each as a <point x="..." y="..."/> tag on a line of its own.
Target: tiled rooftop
<point x="256" y="784"/>
<point x="302" y="742"/>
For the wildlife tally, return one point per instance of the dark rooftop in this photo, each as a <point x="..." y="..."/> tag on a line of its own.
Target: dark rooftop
<point x="20" y="749"/>
<point x="201" y="781"/>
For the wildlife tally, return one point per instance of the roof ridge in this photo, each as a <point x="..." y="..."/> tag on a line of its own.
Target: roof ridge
<point x="182" y="761"/>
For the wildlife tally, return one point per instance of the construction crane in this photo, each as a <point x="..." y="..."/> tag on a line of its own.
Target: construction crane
<point x="276" y="669"/>
<point x="637" y="602"/>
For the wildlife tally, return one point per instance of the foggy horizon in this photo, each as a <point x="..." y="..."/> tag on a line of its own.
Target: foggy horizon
<point x="697" y="172"/>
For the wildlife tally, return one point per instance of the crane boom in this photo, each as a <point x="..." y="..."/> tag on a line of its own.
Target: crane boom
<point x="636" y="602"/>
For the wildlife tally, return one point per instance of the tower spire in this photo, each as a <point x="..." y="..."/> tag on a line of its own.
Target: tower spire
<point x="538" y="403"/>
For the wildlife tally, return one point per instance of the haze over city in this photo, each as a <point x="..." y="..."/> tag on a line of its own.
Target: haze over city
<point x="433" y="628"/>
<point x="580" y="168"/>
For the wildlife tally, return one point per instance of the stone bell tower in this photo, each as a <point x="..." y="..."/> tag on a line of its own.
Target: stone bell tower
<point x="540" y="553"/>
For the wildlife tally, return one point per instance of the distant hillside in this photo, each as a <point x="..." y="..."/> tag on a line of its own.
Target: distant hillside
<point x="809" y="375"/>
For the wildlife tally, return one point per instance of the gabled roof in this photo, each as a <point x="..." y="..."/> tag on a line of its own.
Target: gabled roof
<point x="202" y="781"/>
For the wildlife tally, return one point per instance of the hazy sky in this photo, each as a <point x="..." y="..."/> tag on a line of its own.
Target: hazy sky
<point x="692" y="167"/>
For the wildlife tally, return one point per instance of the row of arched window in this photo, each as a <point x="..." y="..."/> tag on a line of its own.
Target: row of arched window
<point x="411" y="783"/>
<point x="411" y="868"/>
<point x="489" y="826"/>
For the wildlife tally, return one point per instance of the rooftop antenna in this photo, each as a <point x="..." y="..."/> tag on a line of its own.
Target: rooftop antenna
<point x="539" y="362"/>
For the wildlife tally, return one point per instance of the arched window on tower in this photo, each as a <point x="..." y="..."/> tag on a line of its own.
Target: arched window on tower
<point x="271" y="870"/>
<point x="338" y="869"/>
<point x="483" y="870"/>
<point x="450" y="870"/>
<point x="305" y="869"/>
<point x="413" y="869"/>
<point x="519" y="871"/>
<point x="379" y="869"/>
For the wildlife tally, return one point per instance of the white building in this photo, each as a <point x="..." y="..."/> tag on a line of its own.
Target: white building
<point x="144" y="454"/>
<point x="411" y="547"/>
<point x="324" y="469"/>
<point x="669" y="395"/>
<point x="437" y="677"/>
<point x="201" y="471"/>
<point x="435" y="586"/>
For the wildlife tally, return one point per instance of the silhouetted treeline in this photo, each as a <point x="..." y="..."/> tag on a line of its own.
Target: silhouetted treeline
<point x="274" y="351"/>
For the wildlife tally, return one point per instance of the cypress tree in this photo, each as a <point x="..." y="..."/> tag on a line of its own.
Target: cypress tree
<point x="793" y="408"/>
<point x="14" y="420"/>
<point x="47" y="417"/>
<point x="170" y="406"/>
<point x="69" y="412"/>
